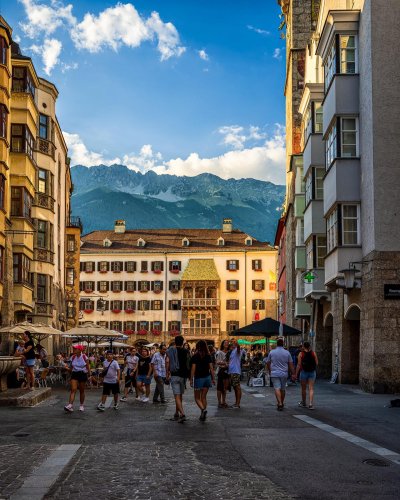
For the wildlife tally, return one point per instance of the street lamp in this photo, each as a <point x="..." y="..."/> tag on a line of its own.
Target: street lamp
<point x="349" y="281"/>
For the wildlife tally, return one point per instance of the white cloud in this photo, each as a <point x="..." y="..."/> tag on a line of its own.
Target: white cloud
<point x="67" y="67"/>
<point x="266" y="162"/>
<point x="277" y="54"/>
<point x="168" y="37"/>
<point x="258" y="30"/>
<point x="50" y="52"/>
<point x="237" y="137"/>
<point x="45" y="18"/>
<point x="203" y="55"/>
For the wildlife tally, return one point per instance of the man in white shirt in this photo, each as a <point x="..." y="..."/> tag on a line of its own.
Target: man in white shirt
<point x="159" y="372"/>
<point x="279" y="362"/>
<point x="111" y="381"/>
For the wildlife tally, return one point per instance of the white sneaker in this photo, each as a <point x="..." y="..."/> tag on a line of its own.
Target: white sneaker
<point x="123" y="399"/>
<point x="68" y="407"/>
<point x="101" y="407"/>
<point x="139" y="398"/>
<point x="145" y="400"/>
<point x="81" y="408"/>
<point x="116" y="406"/>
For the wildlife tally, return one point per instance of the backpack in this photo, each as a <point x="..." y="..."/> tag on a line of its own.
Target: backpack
<point x="308" y="363"/>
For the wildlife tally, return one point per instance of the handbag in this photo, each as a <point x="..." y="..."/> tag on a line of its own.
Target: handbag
<point x="104" y="372"/>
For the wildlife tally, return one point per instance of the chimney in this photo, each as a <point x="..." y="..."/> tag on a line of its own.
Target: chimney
<point x="227" y="225"/>
<point x="119" y="226"/>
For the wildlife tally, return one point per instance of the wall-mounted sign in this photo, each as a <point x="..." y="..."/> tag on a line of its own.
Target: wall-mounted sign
<point x="391" y="292"/>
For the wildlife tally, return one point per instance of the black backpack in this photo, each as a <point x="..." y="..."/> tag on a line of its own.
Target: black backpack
<point x="308" y="362"/>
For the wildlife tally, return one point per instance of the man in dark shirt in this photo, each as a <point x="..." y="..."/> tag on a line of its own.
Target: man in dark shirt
<point x="177" y="367"/>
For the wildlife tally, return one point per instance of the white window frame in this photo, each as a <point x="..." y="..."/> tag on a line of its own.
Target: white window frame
<point x="319" y="178"/>
<point x="310" y="253"/>
<point x="331" y="145"/>
<point x="330" y="64"/>
<point x="318" y="111"/>
<point x="309" y="181"/>
<point x="342" y="50"/>
<point x="320" y="251"/>
<point x="357" y="218"/>
<point x="332" y="231"/>
<point x="300" y="232"/>
<point x="351" y="131"/>
<point x="300" y="286"/>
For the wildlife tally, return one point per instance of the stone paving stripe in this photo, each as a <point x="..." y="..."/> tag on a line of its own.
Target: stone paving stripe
<point x="259" y="395"/>
<point x="37" y="484"/>
<point x="351" y="438"/>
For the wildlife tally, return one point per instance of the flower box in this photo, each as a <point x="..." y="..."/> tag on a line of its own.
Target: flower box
<point x="129" y="291"/>
<point x="103" y="272"/>
<point x="116" y="291"/>
<point x="88" y="291"/>
<point x="88" y="311"/>
<point x="157" y="291"/>
<point x="174" y="333"/>
<point x="174" y="290"/>
<point x="175" y="271"/>
<point x="116" y="311"/>
<point x="156" y="332"/>
<point x="89" y="272"/>
<point x="129" y="311"/>
<point x="129" y="332"/>
<point x="143" y="291"/>
<point x="142" y="332"/>
<point x="157" y="271"/>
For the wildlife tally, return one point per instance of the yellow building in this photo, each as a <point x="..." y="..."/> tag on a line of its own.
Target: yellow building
<point x="35" y="191"/>
<point x="153" y="283"/>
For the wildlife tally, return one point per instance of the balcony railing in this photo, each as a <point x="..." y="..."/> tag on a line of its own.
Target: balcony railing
<point x="46" y="147"/>
<point x="45" y="201"/>
<point x="202" y="332"/>
<point x="200" y="303"/>
<point x="74" y="221"/>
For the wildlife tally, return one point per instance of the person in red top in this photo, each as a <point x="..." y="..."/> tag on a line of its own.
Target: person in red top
<point x="307" y="363"/>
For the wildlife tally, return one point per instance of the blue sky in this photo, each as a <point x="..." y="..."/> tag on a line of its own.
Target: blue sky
<point x="177" y="86"/>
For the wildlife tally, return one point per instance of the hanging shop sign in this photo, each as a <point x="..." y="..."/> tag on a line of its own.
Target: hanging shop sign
<point x="391" y="292"/>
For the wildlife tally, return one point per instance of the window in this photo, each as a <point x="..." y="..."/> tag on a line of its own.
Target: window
<point x="232" y="265"/>
<point x="42" y="234"/>
<point x="143" y="305"/>
<point x="129" y="326"/>
<point x="86" y="305"/>
<point x="86" y="286"/>
<point x="102" y="305"/>
<point x="231" y="326"/>
<point x="102" y="286"/>
<point x="88" y="267"/>
<point x="174" y="326"/>
<point x="175" y="266"/>
<point x="157" y="286"/>
<point x="143" y="286"/>
<point x="71" y="244"/>
<point x="43" y="126"/>
<point x="157" y="305"/>
<point x="70" y="276"/>
<point x="3" y="121"/>
<point x="256" y="265"/>
<point x="130" y="286"/>
<point x="3" y="51"/>
<point x="310" y="253"/>
<point x="103" y="266"/>
<point x="309" y="184"/>
<point x="318" y="183"/>
<point x="232" y="304"/>
<point x="130" y="267"/>
<point x="22" y="80"/>
<point x="299" y="232"/>
<point x="201" y="320"/>
<point x="174" y="286"/>
<point x="318" y="117"/>
<point x="330" y="65"/>
<point x="116" y="305"/>
<point x="42" y="181"/>
<point x="117" y="267"/>
<point x="258" y="304"/>
<point x="220" y="242"/>
<point x="156" y="326"/>
<point x="2" y="190"/>
<point x="143" y="325"/>
<point x="307" y="123"/>
<point x="103" y="324"/>
<point x="300" y="286"/>
<point x="350" y="225"/>
<point x="258" y="285"/>
<point x="21" y="140"/>
<point x="321" y="251"/>
<point x="116" y="286"/>
<point x="331" y="231"/>
<point x="141" y="242"/>
<point x="185" y="242"/>
<point x="21" y="202"/>
<point x="348" y="137"/>
<point x="331" y="146"/>
<point x="21" y="268"/>
<point x="116" y="325"/>
<point x="174" y="305"/>
<point x="248" y="242"/>
<point x="143" y="266"/>
<point x="2" y="263"/>
<point x="130" y="305"/>
<point x="157" y="266"/>
<point x="347" y="54"/>
<point x="41" y="288"/>
<point x="232" y="285"/>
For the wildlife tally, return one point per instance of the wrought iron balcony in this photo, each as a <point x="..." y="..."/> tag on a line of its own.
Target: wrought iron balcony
<point x="200" y="303"/>
<point x="46" y="147"/>
<point x="74" y="221"/>
<point x="202" y="332"/>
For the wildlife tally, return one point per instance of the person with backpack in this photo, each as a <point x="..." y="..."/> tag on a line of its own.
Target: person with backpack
<point x="178" y="370"/>
<point x="307" y="365"/>
<point x="80" y="370"/>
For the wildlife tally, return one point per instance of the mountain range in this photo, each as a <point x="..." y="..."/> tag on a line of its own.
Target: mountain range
<point x="103" y="194"/>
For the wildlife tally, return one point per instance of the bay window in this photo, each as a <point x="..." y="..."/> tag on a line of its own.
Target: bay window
<point x="21" y="268"/>
<point x="22" y="80"/>
<point x="43" y="126"/>
<point x="21" y="139"/>
<point x="3" y="51"/>
<point x="3" y="121"/>
<point x="21" y="202"/>
<point x="350" y="225"/>
<point x="331" y="231"/>
<point x="341" y="58"/>
<point x="41" y="289"/>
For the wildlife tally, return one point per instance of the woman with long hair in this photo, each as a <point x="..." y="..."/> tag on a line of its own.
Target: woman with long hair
<point x="143" y="378"/>
<point x="30" y="359"/>
<point x="80" y="370"/>
<point x="202" y="376"/>
<point x="222" y="374"/>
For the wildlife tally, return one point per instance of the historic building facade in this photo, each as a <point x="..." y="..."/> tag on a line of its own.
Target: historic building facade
<point x="152" y="284"/>
<point x="35" y="190"/>
<point x="349" y="122"/>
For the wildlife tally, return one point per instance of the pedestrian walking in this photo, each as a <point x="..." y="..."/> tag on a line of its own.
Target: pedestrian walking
<point x="177" y="367"/>
<point x="307" y="363"/>
<point x="234" y="359"/>
<point x="131" y="364"/>
<point x="30" y="359"/>
<point x="202" y="376"/>
<point x="143" y="378"/>
<point x="160" y="373"/>
<point x="111" y="377"/>
<point x="80" y="370"/>
<point x="279" y="363"/>
<point x="222" y="374"/>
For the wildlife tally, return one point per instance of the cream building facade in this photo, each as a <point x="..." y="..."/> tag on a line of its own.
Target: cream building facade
<point x="152" y="284"/>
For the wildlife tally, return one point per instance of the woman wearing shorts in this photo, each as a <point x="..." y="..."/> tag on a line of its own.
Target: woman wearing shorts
<point x="111" y="380"/>
<point x="30" y="359"/>
<point x="202" y="376"/>
<point x="80" y="370"/>
<point x="143" y="378"/>
<point x="131" y="363"/>
<point x="222" y="374"/>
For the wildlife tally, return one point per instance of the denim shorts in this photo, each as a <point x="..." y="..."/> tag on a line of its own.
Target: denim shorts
<point x="202" y="383"/>
<point x="177" y="385"/>
<point x="145" y="380"/>
<point x="30" y="362"/>
<point x="305" y="376"/>
<point x="279" y="382"/>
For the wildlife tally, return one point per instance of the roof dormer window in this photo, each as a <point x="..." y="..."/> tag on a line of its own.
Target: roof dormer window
<point x="185" y="242"/>
<point x="248" y="241"/>
<point x="141" y="242"/>
<point x="220" y="241"/>
<point x="107" y="243"/>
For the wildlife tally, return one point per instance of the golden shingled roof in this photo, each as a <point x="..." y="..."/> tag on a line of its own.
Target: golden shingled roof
<point x="201" y="270"/>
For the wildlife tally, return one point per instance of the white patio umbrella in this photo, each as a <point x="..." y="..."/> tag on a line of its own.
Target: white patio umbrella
<point x="114" y="344"/>
<point x="38" y="330"/>
<point x="93" y="333"/>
